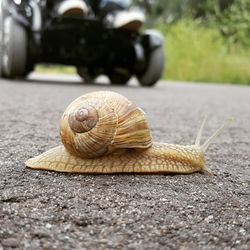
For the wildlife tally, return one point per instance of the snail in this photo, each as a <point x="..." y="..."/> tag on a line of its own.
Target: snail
<point x="104" y="132"/>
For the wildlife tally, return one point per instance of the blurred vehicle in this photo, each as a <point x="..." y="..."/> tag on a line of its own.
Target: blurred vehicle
<point x="31" y="34"/>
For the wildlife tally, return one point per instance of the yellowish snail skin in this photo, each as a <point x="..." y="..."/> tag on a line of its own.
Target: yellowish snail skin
<point x="103" y="133"/>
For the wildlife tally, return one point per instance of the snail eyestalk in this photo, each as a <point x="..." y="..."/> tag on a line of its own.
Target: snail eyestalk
<point x="215" y="135"/>
<point x="199" y="135"/>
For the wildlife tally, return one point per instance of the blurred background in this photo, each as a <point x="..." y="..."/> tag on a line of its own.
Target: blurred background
<point x="205" y="41"/>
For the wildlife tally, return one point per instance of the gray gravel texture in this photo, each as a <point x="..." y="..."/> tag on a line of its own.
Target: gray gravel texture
<point x="48" y="210"/>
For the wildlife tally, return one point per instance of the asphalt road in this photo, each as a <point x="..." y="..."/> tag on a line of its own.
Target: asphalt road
<point x="47" y="210"/>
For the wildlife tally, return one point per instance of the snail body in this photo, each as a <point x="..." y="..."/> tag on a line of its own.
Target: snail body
<point x="104" y="132"/>
<point x="159" y="158"/>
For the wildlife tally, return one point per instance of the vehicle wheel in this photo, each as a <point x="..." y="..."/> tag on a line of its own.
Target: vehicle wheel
<point x="155" y="59"/>
<point x="2" y="15"/>
<point x="84" y="74"/>
<point x="14" y="49"/>
<point x="154" y="68"/>
<point x="119" y="77"/>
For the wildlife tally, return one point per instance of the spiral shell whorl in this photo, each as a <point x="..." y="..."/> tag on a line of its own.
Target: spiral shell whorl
<point x="83" y="119"/>
<point x="101" y="122"/>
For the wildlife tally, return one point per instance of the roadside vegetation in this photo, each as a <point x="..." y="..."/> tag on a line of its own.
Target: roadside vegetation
<point x="206" y="41"/>
<point x="198" y="53"/>
<point x="49" y="68"/>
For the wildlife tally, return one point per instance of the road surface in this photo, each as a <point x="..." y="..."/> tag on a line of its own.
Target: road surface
<point x="47" y="210"/>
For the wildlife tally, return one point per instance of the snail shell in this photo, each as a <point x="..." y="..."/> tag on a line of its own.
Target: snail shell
<point x="102" y="122"/>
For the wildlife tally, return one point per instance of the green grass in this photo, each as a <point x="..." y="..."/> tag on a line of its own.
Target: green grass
<point x="198" y="53"/>
<point x="49" y="68"/>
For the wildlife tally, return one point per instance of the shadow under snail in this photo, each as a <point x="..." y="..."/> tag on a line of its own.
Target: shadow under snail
<point x="103" y="132"/>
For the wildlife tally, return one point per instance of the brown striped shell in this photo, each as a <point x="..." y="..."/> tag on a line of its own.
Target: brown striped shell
<point x="102" y="122"/>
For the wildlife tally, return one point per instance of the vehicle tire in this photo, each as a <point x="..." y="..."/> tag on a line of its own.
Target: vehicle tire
<point x="119" y="77"/>
<point x="155" y="60"/>
<point x="84" y="74"/>
<point x="14" y="49"/>
<point x="154" y="68"/>
<point x="2" y="16"/>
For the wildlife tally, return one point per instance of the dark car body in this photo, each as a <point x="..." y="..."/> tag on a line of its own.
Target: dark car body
<point x="82" y="42"/>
